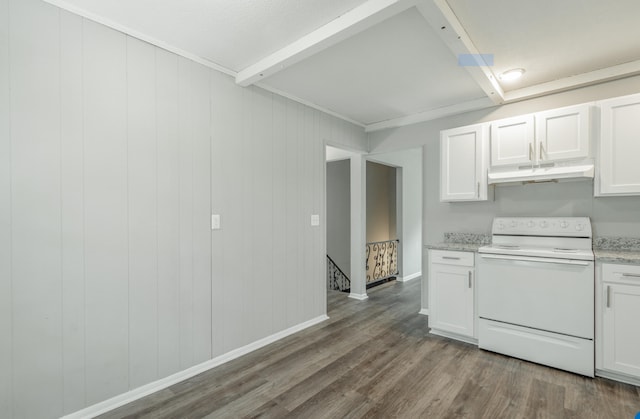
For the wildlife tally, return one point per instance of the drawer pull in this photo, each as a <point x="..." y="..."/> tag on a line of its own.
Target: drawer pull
<point x="450" y="257"/>
<point x="631" y="275"/>
<point x="608" y="296"/>
<point x="469" y="279"/>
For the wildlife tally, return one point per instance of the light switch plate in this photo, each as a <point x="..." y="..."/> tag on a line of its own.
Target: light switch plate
<point x="315" y="220"/>
<point x="215" y="221"/>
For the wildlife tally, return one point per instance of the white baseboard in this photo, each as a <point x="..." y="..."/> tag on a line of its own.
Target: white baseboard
<point x="358" y="296"/>
<point x="455" y="336"/>
<point x="409" y="277"/>
<point x="624" y="378"/>
<point x="424" y="311"/>
<point x="145" y="390"/>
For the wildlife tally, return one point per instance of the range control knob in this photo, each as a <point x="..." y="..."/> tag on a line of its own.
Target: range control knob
<point x="564" y="224"/>
<point x="579" y="227"/>
<point x="531" y="224"/>
<point x="543" y="224"/>
<point x="514" y="224"/>
<point x="500" y="225"/>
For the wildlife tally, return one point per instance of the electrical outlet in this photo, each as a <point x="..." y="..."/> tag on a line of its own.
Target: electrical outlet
<point x="215" y="222"/>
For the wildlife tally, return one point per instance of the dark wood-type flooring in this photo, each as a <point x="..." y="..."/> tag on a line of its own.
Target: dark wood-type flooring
<point x="375" y="359"/>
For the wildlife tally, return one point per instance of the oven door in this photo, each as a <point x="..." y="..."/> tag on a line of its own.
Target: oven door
<point x="555" y="295"/>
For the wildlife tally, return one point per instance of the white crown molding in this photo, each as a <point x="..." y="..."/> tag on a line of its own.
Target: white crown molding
<point x="580" y="80"/>
<point x="133" y="33"/>
<point x="307" y="103"/>
<point x="354" y="21"/>
<point x="431" y="114"/>
<point x="193" y="57"/>
<point x="145" y="390"/>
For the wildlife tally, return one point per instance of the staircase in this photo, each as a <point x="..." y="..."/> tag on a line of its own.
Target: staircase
<point x="337" y="280"/>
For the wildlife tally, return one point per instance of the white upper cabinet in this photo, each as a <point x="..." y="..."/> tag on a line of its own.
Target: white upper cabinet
<point x="463" y="163"/>
<point x="619" y="171"/>
<point x="545" y="137"/>
<point x="512" y="141"/>
<point x="563" y="134"/>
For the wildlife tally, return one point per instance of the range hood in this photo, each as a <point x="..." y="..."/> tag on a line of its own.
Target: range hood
<point x="543" y="174"/>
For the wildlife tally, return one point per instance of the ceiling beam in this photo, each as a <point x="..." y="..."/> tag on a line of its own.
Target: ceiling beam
<point x="429" y="115"/>
<point x="362" y="17"/>
<point x="445" y="23"/>
<point x="573" y="82"/>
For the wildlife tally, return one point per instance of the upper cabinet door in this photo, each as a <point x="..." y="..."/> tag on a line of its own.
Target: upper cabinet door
<point x="563" y="134"/>
<point x="512" y="141"/>
<point x="463" y="172"/>
<point x="620" y="146"/>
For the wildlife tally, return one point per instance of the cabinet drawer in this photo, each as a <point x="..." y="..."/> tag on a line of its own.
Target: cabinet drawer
<point x="629" y="274"/>
<point x="448" y="257"/>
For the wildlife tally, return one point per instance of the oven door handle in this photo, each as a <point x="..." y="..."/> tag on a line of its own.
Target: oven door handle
<point x="536" y="259"/>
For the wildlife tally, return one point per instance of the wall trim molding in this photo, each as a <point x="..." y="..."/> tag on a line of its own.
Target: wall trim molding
<point x="409" y="277"/>
<point x="135" y="34"/>
<point x="137" y="393"/>
<point x="358" y="296"/>
<point x="424" y="311"/>
<point x="64" y="5"/>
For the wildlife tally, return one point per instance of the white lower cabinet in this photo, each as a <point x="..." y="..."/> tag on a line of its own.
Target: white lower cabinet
<point x="451" y="294"/>
<point x="618" y="314"/>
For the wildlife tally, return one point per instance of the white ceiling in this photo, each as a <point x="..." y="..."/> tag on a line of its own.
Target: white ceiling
<point x="385" y="63"/>
<point x="552" y="39"/>
<point x="392" y="69"/>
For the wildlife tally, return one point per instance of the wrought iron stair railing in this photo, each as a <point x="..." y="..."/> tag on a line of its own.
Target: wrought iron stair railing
<point x="337" y="280"/>
<point x="382" y="261"/>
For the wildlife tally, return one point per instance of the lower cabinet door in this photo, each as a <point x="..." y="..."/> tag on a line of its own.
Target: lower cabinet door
<point x="451" y="301"/>
<point x="621" y="333"/>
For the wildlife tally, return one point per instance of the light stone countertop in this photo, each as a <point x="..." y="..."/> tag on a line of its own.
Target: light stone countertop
<point x="617" y="256"/>
<point x="461" y="247"/>
<point x="463" y="242"/>
<point x="625" y="250"/>
<point x="617" y="249"/>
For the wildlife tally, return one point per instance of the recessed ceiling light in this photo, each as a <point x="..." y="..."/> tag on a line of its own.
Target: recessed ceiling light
<point x="511" y="75"/>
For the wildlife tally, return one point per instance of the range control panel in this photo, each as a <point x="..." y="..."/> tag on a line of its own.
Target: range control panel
<point x="542" y="226"/>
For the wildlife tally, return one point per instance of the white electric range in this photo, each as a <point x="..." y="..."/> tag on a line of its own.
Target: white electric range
<point x="536" y="291"/>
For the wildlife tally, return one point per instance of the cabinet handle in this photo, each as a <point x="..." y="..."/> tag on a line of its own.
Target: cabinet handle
<point x="631" y="275"/>
<point x="478" y="189"/>
<point x="530" y="151"/>
<point x="542" y="151"/>
<point x="469" y="279"/>
<point x="450" y="257"/>
<point x="608" y="296"/>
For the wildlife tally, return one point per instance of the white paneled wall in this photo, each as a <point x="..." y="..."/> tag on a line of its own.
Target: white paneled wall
<point x="6" y="310"/>
<point x="113" y="156"/>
